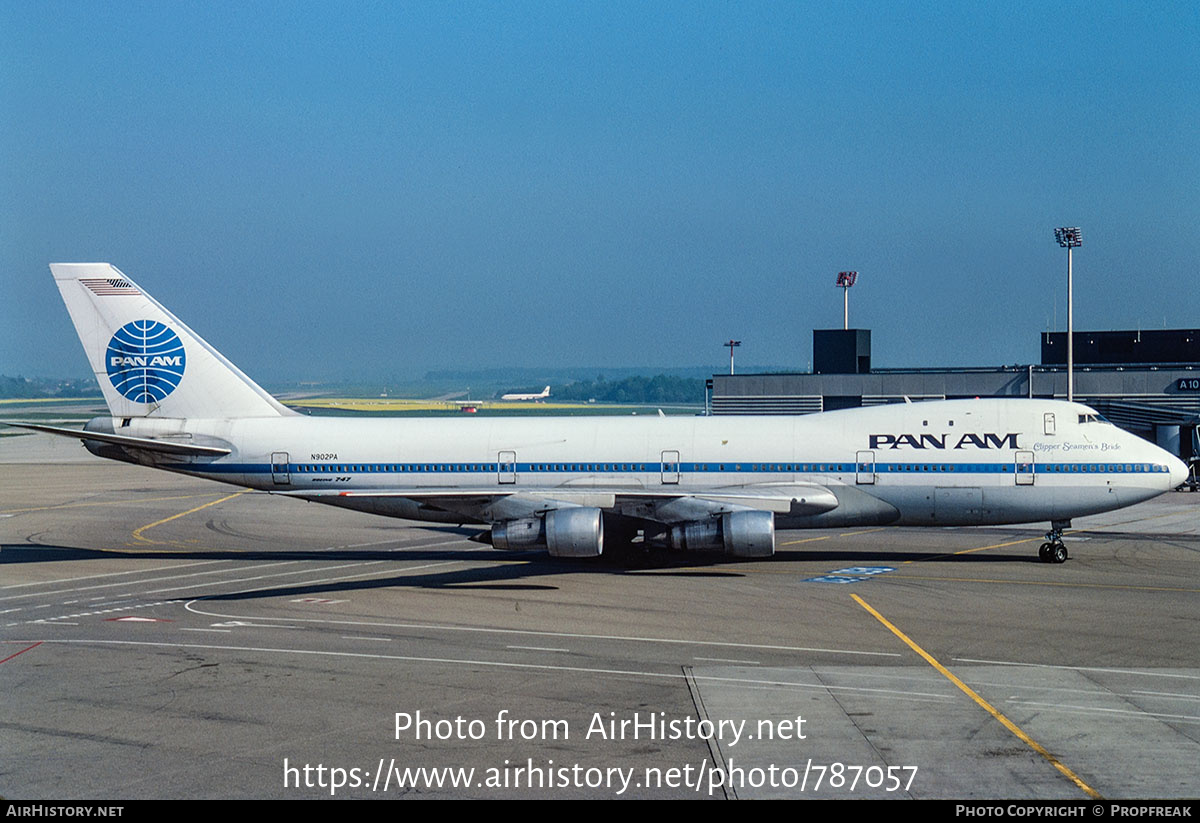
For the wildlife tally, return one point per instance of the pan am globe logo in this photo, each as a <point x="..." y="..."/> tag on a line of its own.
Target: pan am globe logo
<point x="145" y="361"/>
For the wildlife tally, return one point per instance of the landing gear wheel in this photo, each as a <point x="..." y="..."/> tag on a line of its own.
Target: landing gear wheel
<point x="1053" y="550"/>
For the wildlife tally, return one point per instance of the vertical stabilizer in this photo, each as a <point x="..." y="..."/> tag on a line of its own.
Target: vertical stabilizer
<point x="147" y="362"/>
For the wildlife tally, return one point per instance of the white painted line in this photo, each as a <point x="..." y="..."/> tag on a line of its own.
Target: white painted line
<point x="238" y="624"/>
<point x="323" y="580"/>
<point x="191" y="607"/>
<point x="226" y="569"/>
<point x="1140" y="672"/>
<point x="1099" y="710"/>
<point x="236" y="580"/>
<point x="148" y="580"/>
<point x="1040" y="688"/>
<point x="1169" y="695"/>
<point x="6" y="611"/>
<point x="226" y="631"/>
<point x="406" y="546"/>
<point x="380" y="639"/>
<point x="538" y="649"/>
<point x="724" y="660"/>
<point x="318" y="581"/>
<point x="451" y="661"/>
<point x="109" y="574"/>
<point x="930" y="679"/>
<point x="124" y="608"/>
<point x="354" y="545"/>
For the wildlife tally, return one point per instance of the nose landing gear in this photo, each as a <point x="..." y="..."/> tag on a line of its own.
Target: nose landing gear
<point x="1053" y="550"/>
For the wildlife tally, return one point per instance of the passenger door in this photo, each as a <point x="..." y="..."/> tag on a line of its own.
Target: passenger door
<point x="1024" y="468"/>
<point x="280" y="471"/>
<point x="670" y="468"/>
<point x="864" y="468"/>
<point x="506" y="467"/>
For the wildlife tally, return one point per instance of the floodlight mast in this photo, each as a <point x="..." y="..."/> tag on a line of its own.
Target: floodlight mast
<point x="845" y="280"/>
<point x="1070" y="237"/>
<point x="731" y="345"/>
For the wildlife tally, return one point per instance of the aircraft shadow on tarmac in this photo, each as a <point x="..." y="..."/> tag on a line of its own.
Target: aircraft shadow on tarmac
<point x="511" y="567"/>
<point x="516" y="572"/>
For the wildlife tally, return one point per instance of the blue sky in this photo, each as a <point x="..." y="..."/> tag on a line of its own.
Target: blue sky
<point x="367" y="189"/>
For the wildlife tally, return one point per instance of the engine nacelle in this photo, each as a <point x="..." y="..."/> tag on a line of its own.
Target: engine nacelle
<point x="519" y="535"/>
<point x="740" y="534"/>
<point x="573" y="532"/>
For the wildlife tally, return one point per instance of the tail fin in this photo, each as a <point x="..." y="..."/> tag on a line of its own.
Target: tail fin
<point x="146" y="361"/>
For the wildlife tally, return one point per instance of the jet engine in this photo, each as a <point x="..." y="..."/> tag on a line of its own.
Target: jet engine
<point x="740" y="534"/>
<point x="573" y="532"/>
<point x="517" y="535"/>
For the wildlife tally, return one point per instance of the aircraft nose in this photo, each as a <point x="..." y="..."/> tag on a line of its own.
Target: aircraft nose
<point x="1179" y="471"/>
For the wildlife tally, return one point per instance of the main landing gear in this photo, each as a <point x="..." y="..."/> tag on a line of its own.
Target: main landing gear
<point x="1053" y="550"/>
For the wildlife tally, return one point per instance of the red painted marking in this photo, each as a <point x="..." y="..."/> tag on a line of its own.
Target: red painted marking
<point x="27" y="648"/>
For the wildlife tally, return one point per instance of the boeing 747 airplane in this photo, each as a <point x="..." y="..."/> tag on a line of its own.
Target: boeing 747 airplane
<point x="566" y="484"/>
<point x="542" y="395"/>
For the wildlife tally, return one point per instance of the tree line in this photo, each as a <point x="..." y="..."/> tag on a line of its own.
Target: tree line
<point x="661" y="388"/>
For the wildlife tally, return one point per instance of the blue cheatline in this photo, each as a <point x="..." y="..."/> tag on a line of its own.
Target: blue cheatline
<point x="618" y="468"/>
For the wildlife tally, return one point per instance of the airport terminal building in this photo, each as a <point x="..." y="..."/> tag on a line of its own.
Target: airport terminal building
<point x="1147" y="382"/>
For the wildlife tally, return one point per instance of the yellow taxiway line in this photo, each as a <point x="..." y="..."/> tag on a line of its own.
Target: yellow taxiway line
<point x="138" y="532"/>
<point x="986" y="706"/>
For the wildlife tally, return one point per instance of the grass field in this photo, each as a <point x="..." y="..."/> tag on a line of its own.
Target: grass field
<point x="23" y="401"/>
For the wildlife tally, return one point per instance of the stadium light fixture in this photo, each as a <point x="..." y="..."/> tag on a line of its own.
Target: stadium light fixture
<point x="731" y="345"/>
<point x="1069" y="237"/>
<point x="845" y="280"/>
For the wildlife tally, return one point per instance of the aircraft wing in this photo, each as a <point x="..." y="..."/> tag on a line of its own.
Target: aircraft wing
<point x="667" y="506"/>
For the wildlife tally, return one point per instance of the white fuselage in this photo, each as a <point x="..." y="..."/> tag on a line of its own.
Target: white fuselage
<point x="932" y="463"/>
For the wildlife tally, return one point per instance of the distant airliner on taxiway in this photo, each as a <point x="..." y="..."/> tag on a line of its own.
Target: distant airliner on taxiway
<point x="542" y="395"/>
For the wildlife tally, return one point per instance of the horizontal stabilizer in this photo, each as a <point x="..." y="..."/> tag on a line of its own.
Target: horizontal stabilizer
<point x="143" y="443"/>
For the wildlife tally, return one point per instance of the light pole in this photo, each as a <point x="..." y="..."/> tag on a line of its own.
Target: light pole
<point x="731" y="345"/>
<point x="845" y="280"/>
<point x="1070" y="238"/>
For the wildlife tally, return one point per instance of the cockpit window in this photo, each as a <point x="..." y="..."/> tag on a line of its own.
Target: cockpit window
<point x="1093" y="418"/>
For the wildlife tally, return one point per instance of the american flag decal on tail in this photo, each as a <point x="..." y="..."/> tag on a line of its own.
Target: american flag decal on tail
<point x="109" y="285"/>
